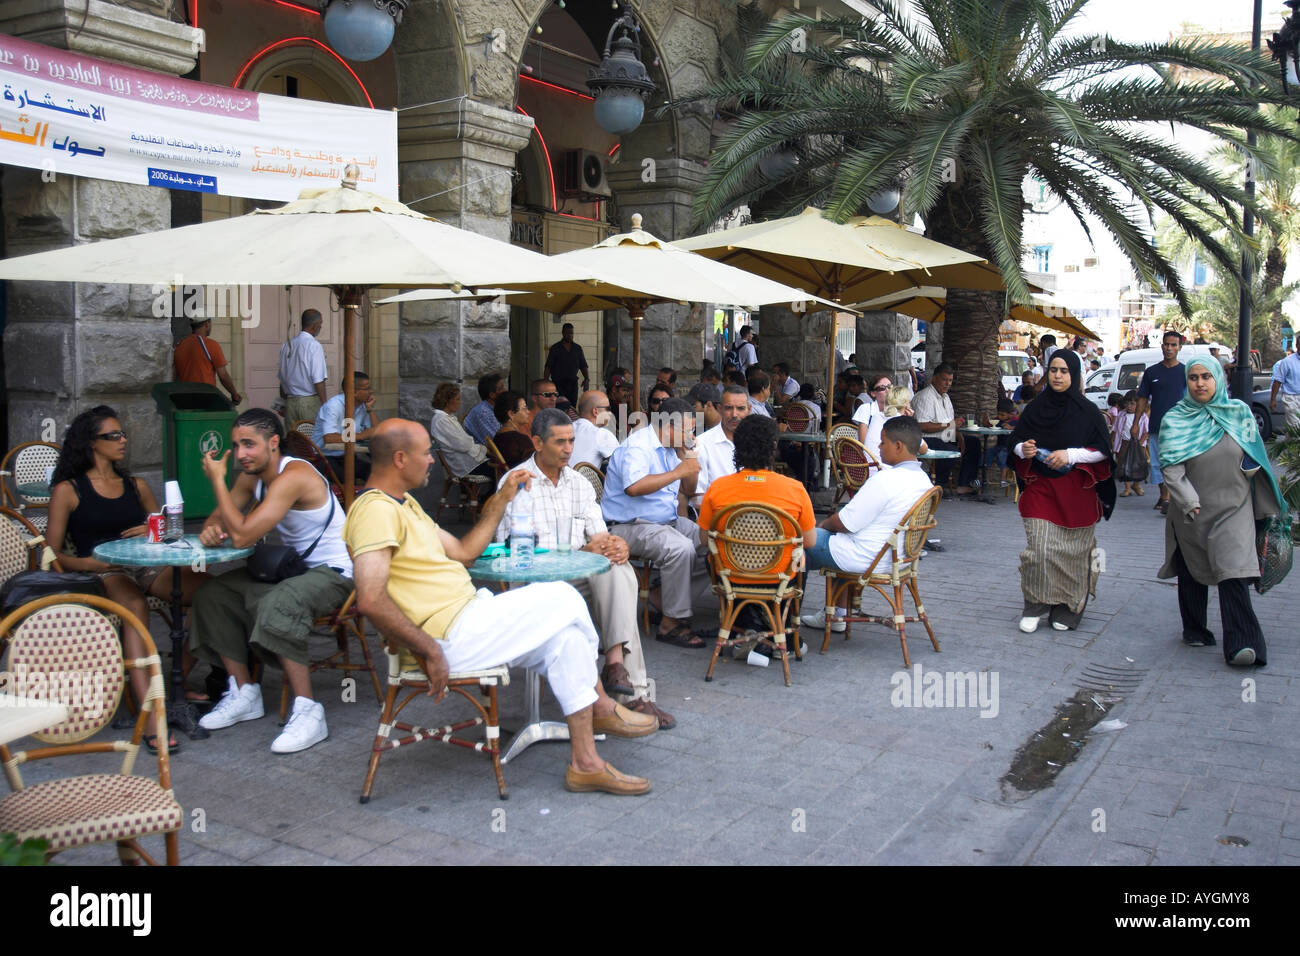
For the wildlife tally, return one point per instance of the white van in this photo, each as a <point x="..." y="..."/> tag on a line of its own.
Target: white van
<point x="1011" y="365"/>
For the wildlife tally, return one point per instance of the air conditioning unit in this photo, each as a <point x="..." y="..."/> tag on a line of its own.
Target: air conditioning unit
<point x="1090" y="262"/>
<point x="584" y="174"/>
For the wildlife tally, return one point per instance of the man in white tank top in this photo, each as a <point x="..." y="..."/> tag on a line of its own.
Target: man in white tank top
<point x="233" y="611"/>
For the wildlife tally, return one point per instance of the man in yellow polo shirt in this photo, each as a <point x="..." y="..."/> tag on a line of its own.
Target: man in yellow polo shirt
<point x="412" y="585"/>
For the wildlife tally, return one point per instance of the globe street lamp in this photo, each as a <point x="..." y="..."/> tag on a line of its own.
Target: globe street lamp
<point x="361" y="30"/>
<point x="621" y="85"/>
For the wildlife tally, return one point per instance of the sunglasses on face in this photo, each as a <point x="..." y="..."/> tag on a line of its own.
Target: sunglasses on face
<point x="881" y="388"/>
<point x="111" y="436"/>
<point x="546" y="394"/>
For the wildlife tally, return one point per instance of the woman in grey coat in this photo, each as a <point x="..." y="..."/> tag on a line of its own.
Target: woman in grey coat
<point x="1220" y="482"/>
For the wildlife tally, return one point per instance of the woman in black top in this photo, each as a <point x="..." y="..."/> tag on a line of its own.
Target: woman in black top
<point x="512" y="439"/>
<point x="93" y="499"/>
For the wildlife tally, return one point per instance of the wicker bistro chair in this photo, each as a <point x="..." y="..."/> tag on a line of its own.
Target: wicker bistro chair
<point x="494" y="455"/>
<point x="300" y="446"/>
<point x="905" y="543"/>
<point x="69" y="638"/>
<point x="22" y="468"/>
<point x="469" y="485"/>
<point x="410" y="681"/>
<point x="844" y="430"/>
<point x="755" y="541"/>
<point x="22" y="546"/>
<point x="304" y="427"/>
<point x="852" y="464"/>
<point x="797" y="418"/>
<point x="345" y="623"/>
<point x="593" y="475"/>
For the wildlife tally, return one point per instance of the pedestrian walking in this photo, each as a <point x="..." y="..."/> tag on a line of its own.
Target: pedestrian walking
<point x="1220" y="483"/>
<point x="1063" y="461"/>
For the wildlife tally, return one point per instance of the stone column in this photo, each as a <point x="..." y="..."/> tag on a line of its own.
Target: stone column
<point x="457" y="162"/>
<point x="797" y="338"/>
<point x="663" y="194"/>
<point x="882" y="345"/>
<point x="69" y="347"/>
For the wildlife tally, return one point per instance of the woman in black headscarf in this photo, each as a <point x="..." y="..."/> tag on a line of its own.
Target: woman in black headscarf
<point x="1063" y="462"/>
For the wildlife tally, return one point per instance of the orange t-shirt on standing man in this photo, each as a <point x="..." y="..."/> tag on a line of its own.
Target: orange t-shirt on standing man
<point x="193" y="364"/>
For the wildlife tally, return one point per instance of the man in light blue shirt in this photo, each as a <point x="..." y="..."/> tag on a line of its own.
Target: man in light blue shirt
<point x="329" y="425"/>
<point x="1286" y="376"/>
<point x="646" y="474"/>
<point x="481" y="422"/>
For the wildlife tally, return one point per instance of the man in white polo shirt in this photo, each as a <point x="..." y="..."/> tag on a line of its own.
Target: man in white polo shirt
<point x="716" y="447"/>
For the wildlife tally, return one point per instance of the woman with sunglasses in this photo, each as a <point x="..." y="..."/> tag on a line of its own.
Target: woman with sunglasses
<point x="870" y="416"/>
<point x="93" y="499"/>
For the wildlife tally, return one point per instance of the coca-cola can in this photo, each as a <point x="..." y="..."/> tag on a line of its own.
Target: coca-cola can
<point x="156" y="525"/>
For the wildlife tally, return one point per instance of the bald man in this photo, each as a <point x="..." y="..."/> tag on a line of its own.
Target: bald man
<point x="407" y="569"/>
<point x="592" y="441"/>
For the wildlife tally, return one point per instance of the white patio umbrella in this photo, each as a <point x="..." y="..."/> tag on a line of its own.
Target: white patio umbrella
<point x="634" y="270"/>
<point x="343" y="238"/>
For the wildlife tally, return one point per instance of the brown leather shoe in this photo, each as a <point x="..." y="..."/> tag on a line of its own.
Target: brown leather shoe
<point x="625" y="723"/>
<point x="608" y="780"/>
<point x="643" y="705"/>
<point x="616" y="679"/>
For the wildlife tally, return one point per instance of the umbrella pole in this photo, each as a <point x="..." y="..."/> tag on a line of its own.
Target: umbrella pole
<point x="637" y="312"/>
<point x="830" y="395"/>
<point x="350" y="300"/>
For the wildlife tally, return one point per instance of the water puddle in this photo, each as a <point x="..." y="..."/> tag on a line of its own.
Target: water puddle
<point x="1055" y="745"/>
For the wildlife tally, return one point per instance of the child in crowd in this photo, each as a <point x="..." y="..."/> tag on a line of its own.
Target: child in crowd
<point x="1114" y="410"/>
<point x="1121" y="437"/>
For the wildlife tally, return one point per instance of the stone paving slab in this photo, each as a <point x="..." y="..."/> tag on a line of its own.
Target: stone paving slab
<point x="828" y="770"/>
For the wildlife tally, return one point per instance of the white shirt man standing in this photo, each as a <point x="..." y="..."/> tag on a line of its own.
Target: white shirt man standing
<point x="592" y="441"/>
<point x="747" y="354"/>
<point x="303" y="372"/>
<point x="716" y="448"/>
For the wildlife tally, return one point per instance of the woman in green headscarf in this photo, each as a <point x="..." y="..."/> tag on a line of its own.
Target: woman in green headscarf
<point x="1220" y="482"/>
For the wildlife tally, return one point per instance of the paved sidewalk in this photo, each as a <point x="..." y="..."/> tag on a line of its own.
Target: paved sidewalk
<point x="829" y="770"/>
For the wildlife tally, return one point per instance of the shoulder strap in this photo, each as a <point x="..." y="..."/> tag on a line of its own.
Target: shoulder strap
<point x="328" y="518"/>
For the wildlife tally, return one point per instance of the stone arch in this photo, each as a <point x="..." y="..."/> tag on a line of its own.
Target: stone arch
<point x="338" y="83"/>
<point x="430" y="50"/>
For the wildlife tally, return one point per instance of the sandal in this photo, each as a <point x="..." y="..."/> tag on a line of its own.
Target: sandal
<point x="151" y="741"/>
<point x="1125" y="494"/>
<point x="681" y="636"/>
<point x="1138" y="491"/>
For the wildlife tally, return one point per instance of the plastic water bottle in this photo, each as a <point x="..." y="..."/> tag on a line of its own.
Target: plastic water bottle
<point x="522" y="536"/>
<point x="173" y="513"/>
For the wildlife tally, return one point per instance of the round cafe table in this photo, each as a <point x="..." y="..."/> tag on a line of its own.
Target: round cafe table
<point x="547" y="566"/>
<point x="984" y="434"/>
<point x="188" y="552"/>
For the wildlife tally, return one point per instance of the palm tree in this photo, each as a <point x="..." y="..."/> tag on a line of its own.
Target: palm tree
<point x="960" y="101"/>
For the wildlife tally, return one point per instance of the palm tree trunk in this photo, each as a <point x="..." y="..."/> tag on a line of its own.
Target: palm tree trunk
<point x="972" y="318"/>
<point x="1274" y="274"/>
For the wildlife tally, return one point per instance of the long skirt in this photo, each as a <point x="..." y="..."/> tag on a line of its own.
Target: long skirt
<point x="1058" y="570"/>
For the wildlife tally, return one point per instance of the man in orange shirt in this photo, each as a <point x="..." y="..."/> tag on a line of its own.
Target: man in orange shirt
<point x="756" y="482"/>
<point x="200" y="359"/>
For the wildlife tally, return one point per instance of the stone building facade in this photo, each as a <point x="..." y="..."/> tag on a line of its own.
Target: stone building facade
<point x="491" y="102"/>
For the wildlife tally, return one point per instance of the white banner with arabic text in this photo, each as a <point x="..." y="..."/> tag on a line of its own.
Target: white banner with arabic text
<point x="65" y="113"/>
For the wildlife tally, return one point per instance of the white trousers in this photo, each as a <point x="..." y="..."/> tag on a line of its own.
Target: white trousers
<point x="544" y="627"/>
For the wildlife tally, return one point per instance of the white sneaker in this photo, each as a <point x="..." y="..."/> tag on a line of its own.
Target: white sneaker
<point x="306" y="727"/>
<point x="1029" y="624"/>
<point x="817" y="621"/>
<point x="1059" y="626"/>
<point x="236" y="704"/>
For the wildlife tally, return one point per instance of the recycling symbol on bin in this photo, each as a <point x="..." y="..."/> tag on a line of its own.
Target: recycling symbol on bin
<point x="211" y="441"/>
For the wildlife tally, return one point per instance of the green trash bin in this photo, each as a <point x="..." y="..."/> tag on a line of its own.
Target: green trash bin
<point x="196" y="418"/>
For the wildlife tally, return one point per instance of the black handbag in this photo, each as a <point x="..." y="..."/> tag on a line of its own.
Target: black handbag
<point x="29" y="585"/>
<point x="273" y="563"/>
